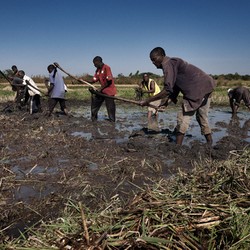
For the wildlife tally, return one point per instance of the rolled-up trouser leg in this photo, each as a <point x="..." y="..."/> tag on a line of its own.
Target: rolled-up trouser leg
<point x="111" y="108"/>
<point x="96" y="103"/>
<point x="202" y="116"/>
<point x="183" y="120"/>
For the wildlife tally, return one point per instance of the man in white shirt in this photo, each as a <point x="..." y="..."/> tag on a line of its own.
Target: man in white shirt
<point x="56" y="90"/>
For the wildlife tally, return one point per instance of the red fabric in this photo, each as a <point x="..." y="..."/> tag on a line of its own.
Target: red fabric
<point x="103" y="75"/>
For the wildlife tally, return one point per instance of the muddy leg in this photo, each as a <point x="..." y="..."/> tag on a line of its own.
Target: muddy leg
<point x="179" y="138"/>
<point x="96" y="103"/>
<point x="209" y="139"/>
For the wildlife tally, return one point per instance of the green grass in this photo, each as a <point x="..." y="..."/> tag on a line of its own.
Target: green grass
<point x="6" y="93"/>
<point x="78" y="92"/>
<point x="220" y="96"/>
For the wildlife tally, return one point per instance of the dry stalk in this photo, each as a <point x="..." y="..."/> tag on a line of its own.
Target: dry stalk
<point x="84" y="223"/>
<point x="101" y="238"/>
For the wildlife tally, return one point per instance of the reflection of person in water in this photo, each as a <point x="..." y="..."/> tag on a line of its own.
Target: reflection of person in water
<point x="235" y="129"/>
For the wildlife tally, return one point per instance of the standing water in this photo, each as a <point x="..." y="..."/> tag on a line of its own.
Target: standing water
<point x="134" y="118"/>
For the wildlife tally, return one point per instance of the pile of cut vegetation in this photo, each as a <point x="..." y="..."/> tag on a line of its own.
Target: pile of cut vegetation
<point x="207" y="208"/>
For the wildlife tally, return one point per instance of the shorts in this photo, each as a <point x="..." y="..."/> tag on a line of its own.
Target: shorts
<point x="156" y="103"/>
<point x="184" y="118"/>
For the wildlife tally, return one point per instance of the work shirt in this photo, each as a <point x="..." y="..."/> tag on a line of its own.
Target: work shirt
<point x="238" y="94"/>
<point x="192" y="82"/>
<point x="146" y="86"/>
<point x="103" y="75"/>
<point x="32" y="87"/>
<point x="58" y="90"/>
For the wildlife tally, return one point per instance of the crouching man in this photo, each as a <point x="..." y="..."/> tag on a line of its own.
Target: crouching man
<point x="28" y="92"/>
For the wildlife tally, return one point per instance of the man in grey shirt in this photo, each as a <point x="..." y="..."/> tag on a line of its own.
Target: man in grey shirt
<point x="196" y="87"/>
<point x="236" y="95"/>
<point x="56" y="90"/>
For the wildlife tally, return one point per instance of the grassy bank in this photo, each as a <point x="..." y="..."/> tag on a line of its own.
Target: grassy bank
<point x="207" y="208"/>
<point x="80" y="92"/>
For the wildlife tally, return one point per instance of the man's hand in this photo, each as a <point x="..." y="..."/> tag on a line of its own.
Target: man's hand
<point x="92" y="91"/>
<point x="144" y="103"/>
<point x="100" y="90"/>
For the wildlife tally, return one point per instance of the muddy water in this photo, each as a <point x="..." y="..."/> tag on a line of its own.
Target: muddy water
<point x="70" y="163"/>
<point x="133" y="118"/>
<point x="130" y="119"/>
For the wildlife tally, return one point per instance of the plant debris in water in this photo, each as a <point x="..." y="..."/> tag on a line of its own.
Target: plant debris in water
<point x="207" y="208"/>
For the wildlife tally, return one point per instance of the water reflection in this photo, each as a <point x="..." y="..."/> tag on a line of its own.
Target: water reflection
<point x="131" y="118"/>
<point x="153" y="124"/>
<point x="239" y="127"/>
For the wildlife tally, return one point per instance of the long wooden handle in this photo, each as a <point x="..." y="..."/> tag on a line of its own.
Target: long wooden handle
<point x="5" y="77"/>
<point x="77" y="79"/>
<point x="121" y="99"/>
<point x="93" y="91"/>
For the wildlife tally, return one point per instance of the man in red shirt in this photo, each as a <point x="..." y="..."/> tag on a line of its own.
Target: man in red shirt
<point x="104" y="75"/>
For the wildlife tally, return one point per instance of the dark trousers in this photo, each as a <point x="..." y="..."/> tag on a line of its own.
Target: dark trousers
<point x="54" y="101"/>
<point x="22" y="96"/>
<point x="35" y="104"/>
<point x="96" y="103"/>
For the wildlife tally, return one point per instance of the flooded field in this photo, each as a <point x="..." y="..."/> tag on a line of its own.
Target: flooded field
<point x="134" y="118"/>
<point x="47" y="161"/>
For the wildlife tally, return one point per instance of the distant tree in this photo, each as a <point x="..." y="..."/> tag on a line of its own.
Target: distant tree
<point x="236" y="76"/>
<point x="120" y="75"/>
<point x="246" y="77"/>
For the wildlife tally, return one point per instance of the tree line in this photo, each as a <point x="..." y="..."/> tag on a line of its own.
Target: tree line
<point x="135" y="76"/>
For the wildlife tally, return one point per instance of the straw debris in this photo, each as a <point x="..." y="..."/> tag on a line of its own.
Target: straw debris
<point x="207" y="208"/>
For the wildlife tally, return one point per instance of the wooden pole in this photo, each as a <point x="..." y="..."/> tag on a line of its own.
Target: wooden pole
<point x="77" y="79"/>
<point x="121" y="99"/>
<point x="5" y="77"/>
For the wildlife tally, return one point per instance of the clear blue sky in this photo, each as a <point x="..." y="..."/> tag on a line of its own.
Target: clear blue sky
<point x="213" y="35"/>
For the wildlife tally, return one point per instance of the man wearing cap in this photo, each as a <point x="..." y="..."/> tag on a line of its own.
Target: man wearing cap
<point x="236" y="95"/>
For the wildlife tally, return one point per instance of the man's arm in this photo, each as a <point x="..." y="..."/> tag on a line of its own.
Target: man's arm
<point x="163" y="94"/>
<point x="107" y="84"/>
<point x="151" y="87"/>
<point x="18" y="82"/>
<point x="50" y="88"/>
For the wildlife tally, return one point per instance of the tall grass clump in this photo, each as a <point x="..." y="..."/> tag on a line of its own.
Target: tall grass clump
<point x="6" y="93"/>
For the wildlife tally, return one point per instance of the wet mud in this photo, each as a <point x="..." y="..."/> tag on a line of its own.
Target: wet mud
<point x="48" y="161"/>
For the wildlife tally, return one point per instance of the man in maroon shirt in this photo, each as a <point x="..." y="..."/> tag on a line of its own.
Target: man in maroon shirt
<point x="104" y="75"/>
<point x="236" y="95"/>
<point x="195" y="85"/>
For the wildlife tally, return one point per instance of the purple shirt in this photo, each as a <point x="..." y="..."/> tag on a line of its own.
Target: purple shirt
<point x="192" y="82"/>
